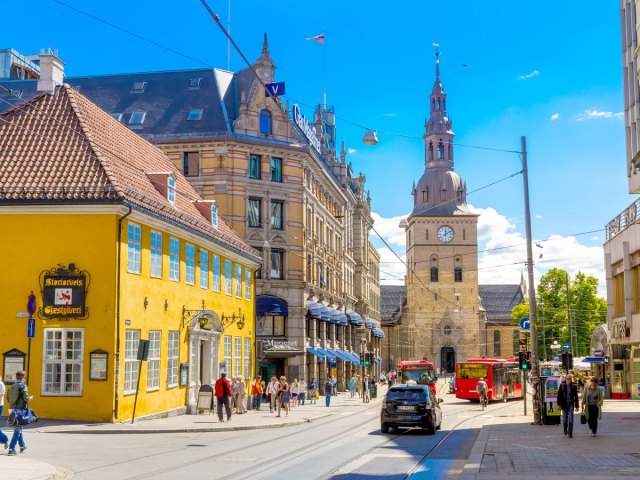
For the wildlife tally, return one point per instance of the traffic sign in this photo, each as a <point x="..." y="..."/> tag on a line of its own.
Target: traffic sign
<point x="525" y="324"/>
<point x="31" y="327"/>
<point x="274" y="89"/>
<point x="606" y="359"/>
<point x="22" y="314"/>
<point x="556" y="358"/>
<point x="566" y="346"/>
<point x="598" y="353"/>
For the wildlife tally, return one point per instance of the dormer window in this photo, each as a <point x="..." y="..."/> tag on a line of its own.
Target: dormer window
<point x="194" y="115"/>
<point x="117" y="116"/>
<point x="265" y="122"/>
<point x="209" y="210"/>
<point x="171" y="189"/>
<point x="214" y="214"/>
<point x="194" y="83"/>
<point x="137" y="118"/>
<point x="138" y="87"/>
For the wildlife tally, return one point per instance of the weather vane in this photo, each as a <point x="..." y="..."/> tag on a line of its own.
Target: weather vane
<point x="437" y="45"/>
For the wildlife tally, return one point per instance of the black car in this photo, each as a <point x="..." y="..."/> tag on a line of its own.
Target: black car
<point x="410" y="406"/>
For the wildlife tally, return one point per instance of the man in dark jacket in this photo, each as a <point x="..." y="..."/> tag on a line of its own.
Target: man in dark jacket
<point x="567" y="398"/>
<point x="18" y="396"/>
<point x="223" y="393"/>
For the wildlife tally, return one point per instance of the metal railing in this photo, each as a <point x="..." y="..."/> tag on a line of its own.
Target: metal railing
<point x="626" y="218"/>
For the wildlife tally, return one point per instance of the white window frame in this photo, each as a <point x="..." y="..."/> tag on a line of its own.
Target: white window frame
<point x="247" y="358"/>
<point x="228" y="353"/>
<point x="171" y="189"/>
<point x="215" y="273"/>
<point x="247" y="283"/>
<point x="134" y="246"/>
<point x="204" y="268"/>
<point x="174" y="264"/>
<point x="155" y="248"/>
<point x="137" y="118"/>
<point x="153" y="361"/>
<point x="63" y="361"/>
<point x="237" y="356"/>
<point x="131" y="343"/>
<point x="190" y="264"/>
<point x="228" y="271"/>
<point x="173" y="357"/>
<point x="238" y="280"/>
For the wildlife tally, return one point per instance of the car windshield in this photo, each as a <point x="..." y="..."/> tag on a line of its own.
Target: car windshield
<point x="421" y="377"/>
<point x="408" y="394"/>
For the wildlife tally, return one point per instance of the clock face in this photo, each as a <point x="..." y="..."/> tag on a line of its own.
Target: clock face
<point x="445" y="234"/>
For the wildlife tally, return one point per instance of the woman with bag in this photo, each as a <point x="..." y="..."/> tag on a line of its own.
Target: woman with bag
<point x="592" y="405"/>
<point x="284" y="396"/>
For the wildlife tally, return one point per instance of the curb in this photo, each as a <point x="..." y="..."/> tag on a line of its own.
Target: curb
<point x="474" y="462"/>
<point x="187" y="430"/>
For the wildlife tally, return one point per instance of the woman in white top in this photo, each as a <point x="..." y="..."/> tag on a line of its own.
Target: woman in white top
<point x="272" y="393"/>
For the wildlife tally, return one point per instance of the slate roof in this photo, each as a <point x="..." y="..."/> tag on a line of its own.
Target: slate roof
<point x="62" y="148"/>
<point x="499" y="300"/>
<point x="391" y="297"/>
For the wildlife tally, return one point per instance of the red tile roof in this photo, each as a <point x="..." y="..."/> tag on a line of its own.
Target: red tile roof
<point x="62" y="148"/>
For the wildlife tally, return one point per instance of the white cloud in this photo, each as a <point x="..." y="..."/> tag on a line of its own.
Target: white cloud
<point x="594" y="114"/>
<point x="535" y="73"/>
<point x="351" y="151"/>
<point x="555" y="116"/>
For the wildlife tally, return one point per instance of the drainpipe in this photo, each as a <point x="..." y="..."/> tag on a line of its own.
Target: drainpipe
<point x="117" y="368"/>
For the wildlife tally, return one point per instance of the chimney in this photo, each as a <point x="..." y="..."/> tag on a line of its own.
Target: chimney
<point x="51" y="71"/>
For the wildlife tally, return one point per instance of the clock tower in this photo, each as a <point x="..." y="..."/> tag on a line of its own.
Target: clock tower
<point x="442" y="244"/>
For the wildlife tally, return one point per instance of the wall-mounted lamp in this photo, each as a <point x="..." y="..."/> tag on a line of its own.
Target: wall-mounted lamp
<point x="146" y="302"/>
<point x="238" y="319"/>
<point x="166" y="304"/>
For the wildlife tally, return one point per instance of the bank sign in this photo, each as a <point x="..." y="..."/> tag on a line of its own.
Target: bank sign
<point x="63" y="296"/>
<point x="306" y="129"/>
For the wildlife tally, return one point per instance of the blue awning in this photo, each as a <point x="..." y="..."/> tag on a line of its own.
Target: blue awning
<point x="369" y="323"/>
<point x="356" y="357"/>
<point x="593" y="359"/>
<point x="316" y="353"/>
<point x="340" y="318"/>
<point x="318" y="311"/>
<point x="349" y="356"/>
<point x="334" y="316"/>
<point x="377" y="332"/>
<point x="340" y="354"/>
<point x="268" y="305"/>
<point x="330" y="356"/>
<point x="378" y="360"/>
<point x="354" y="318"/>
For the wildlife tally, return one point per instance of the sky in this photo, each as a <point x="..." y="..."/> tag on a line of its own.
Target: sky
<point x="547" y="70"/>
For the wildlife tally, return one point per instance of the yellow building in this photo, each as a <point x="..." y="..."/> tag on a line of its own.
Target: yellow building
<point x="115" y="246"/>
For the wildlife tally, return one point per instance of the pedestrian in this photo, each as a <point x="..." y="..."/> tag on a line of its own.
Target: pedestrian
<point x="284" y="396"/>
<point x="223" y="395"/>
<point x="312" y="389"/>
<point x="334" y="383"/>
<point x="237" y="389"/>
<point x="257" y="392"/>
<point x="366" y="389"/>
<point x="4" y="440"/>
<point x="351" y="385"/>
<point x="272" y="393"/>
<point x="302" y="391"/>
<point x="18" y="396"/>
<point x="243" y="395"/>
<point x="328" y="387"/>
<point x="592" y="405"/>
<point x="294" y="393"/>
<point x="568" y="402"/>
<point x="359" y="385"/>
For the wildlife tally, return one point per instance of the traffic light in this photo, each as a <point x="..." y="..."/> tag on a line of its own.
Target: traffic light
<point x="567" y="361"/>
<point x="524" y="359"/>
<point x="367" y="359"/>
<point x="361" y="359"/>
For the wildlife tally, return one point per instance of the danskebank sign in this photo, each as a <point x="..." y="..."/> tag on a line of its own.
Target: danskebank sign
<point x="303" y="124"/>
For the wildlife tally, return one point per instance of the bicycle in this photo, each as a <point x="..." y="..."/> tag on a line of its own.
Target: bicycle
<point x="484" y="400"/>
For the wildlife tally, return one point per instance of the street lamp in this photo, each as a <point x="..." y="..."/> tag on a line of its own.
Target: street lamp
<point x="544" y="342"/>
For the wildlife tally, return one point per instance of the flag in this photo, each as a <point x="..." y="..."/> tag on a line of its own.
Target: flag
<point x="317" y="38"/>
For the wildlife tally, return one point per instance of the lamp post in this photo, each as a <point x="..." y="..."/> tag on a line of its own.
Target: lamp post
<point x="544" y="341"/>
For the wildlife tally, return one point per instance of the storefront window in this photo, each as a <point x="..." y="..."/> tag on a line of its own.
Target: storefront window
<point x="62" y="366"/>
<point x="270" y="325"/>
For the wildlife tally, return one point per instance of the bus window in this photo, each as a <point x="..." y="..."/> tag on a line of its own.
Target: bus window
<point x="472" y="370"/>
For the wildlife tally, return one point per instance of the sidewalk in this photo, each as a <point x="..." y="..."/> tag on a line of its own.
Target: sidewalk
<point x="510" y="447"/>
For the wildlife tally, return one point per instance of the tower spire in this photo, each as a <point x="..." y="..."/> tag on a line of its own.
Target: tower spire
<point x="437" y="54"/>
<point x="265" y="45"/>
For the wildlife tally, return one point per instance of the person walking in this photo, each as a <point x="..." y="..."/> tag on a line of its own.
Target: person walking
<point x="365" y="385"/>
<point x="294" y="393"/>
<point x="328" y="387"/>
<point x="4" y="440"/>
<point x="359" y="385"/>
<point x="334" y="383"/>
<point x="312" y="389"/>
<point x="243" y="395"/>
<point x="18" y="396"/>
<point x="592" y="405"/>
<point x="257" y="393"/>
<point x="302" y="391"/>
<point x="568" y="402"/>
<point x="284" y="396"/>
<point x="237" y="388"/>
<point x="351" y="385"/>
<point x="223" y="395"/>
<point x="272" y="393"/>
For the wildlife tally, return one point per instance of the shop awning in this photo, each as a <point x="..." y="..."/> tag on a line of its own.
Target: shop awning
<point x="318" y="311"/>
<point x="355" y="318"/>
<point x="268" y="305"/>
<point x="341" y="355"/>
<point x="354" y="358"/>
<point x="378" y="360"/>
<point x="370" y="324"/>
<point x="334" y="316"/>
<point x="378" y="332"/>
<point x="316" y="353"/>
<point x="593" y="360"/>
<point x="339" y="318"/>
<point x="330" y="356"/>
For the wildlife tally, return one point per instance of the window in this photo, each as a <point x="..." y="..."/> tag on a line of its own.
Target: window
<point x="173" y="356"/>
<point x="237" y="356"/>
<point x="255" y="209"/>
<point x="191" y="164"/>
<point x="194" y="115"/>
<point x="171" y="189"/>
<point x="247" y="284"/>
<point x="174" y="259"/>
<point x="194" y="83"/>
<point x="204" y="268"/>
<point x="254" y="166"/>
<point x="215" y="273"/>
<point x="270" y="325"/>
<point x="238" y="281"/>
<point x="309" y="323"/>
<point x="247" y="358"/>
<point x="277" y="260"/>
<point x="117" y="116"/>
<point x="62" y="361"/>
<point x="137" y="118"/>
<point x="277" y="210"/>
<point x="131" y="342"/>
<point x="227" y="277"/>
<point x="227" y="353"/>
<point x="190" y="264"/>
<point x="427" y="235"/>
<point x="496" y="343"/>
<point x="265" y="122"/>
<point x="138" y="87"/>
<point x="425" y="195"/>
<point x="457" y="272"/>
<point x="618" y="295"/>
<point x="133" y="248"/>
<point x="153" y="360"/>
<point x="434" y="274"/>
<point x="276" y="169"/>
<point x="214" y="214"/>
<point x="156" y="254"/>
<point x="516" y="342"/>
<point x="328" y="330"/>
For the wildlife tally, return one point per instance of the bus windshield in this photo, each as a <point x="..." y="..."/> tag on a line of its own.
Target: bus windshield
<point x="472" y="370"/>
<point x="421" y="377"/>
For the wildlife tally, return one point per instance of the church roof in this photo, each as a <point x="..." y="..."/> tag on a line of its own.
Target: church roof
<point x="499" y="300"/>
<point x="391" y="297"/>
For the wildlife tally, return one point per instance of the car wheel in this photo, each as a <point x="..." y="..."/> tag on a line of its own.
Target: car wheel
<point x="431" y="429"/>
<point x="384" y="428"/>
<point x="439" y="427"/>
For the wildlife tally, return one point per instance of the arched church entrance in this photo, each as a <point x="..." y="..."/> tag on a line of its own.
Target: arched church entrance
<point x="447" y="359"/>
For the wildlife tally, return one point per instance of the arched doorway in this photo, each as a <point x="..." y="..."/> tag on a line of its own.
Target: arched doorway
<point x="447" y="359"/>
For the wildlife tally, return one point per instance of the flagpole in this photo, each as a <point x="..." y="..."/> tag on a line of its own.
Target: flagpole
<point x="229" y="30"/>
<point x="324" y="77"/>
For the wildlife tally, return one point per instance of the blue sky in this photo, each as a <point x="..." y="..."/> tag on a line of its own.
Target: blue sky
<point x="546" y="69"/>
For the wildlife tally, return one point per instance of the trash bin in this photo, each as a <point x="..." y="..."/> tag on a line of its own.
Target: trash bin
<point x="373" y="389"/>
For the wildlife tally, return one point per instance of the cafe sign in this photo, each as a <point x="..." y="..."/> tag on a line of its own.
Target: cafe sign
<point x="64" y="292"/>
<point x="274" y="345"/>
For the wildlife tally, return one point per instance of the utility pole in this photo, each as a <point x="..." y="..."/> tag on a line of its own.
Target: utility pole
<point x="532" y="290"/>
<point x="574" y="349"/>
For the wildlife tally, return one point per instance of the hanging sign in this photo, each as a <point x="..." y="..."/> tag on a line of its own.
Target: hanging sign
<point x="274" y="89"/>
<point x="63" y="293"/>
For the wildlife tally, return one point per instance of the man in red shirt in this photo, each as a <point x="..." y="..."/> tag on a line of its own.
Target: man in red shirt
<point x="222" y="393"/>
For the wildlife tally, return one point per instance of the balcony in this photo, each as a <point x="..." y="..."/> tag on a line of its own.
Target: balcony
<point x="623" y="220"/>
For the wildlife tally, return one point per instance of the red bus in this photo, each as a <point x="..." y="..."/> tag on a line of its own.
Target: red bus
<point x="421" y="371"/>
<point x="502" y="376"/>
